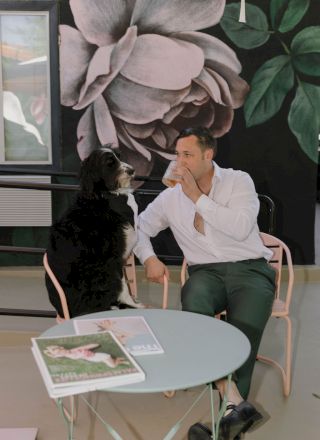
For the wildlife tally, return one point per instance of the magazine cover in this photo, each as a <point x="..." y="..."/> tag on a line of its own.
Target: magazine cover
<point x="76" y="364"/>
<point x="132" y="331"/>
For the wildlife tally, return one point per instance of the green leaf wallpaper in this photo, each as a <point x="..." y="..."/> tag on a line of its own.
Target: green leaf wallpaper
<point x="278" y="75"/>
<point x="305" y="51"/>
<point x="303" y="117"/>
<point x="253" y="33"/>
<point x="269" y="87"/>
<point x="286" y="14"/>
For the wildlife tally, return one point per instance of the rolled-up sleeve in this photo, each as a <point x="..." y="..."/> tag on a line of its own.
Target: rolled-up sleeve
<point x="150" y="222"/>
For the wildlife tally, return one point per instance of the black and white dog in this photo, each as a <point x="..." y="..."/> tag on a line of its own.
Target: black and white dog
<point x="90" y="243"/>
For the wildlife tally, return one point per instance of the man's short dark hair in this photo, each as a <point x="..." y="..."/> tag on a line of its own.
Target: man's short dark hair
<point x="205" y="138"/>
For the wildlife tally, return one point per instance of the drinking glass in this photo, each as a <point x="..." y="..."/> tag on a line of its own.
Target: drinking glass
<point x="170" y="179"/>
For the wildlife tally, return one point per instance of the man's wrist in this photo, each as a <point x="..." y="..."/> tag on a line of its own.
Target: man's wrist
<point x="149" y="259"/>
<point x="196" y="196"/>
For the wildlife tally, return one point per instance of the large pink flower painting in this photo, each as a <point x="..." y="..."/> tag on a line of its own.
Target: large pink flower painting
<point x="142" y="71"/>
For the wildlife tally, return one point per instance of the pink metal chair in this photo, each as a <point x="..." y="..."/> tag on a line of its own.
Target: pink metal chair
<point x="281" y="304"/>
<point x="59" y="289"/>
<point x="71" y="414"/>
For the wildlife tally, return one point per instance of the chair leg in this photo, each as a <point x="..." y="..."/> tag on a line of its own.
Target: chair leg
<point x="169" y="394"/>
<point x="287" y="381"/>
<point x="286" y="371"/>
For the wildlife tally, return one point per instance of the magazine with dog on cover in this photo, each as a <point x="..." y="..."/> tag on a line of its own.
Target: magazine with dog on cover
<point x="76" y="364"/>
<point x="132" y="331"/>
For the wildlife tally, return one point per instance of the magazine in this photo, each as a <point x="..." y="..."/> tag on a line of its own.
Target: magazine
<point x="76" y="364"/>
<point x="132" y="331"/>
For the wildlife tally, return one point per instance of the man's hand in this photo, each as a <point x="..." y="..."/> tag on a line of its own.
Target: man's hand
<point x="155" y="270"/>
<point x="188" y="184"/>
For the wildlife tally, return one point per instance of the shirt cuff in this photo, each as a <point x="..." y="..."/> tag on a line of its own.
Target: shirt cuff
<point x="203" y="202"/>
<point x="143" y="255"/>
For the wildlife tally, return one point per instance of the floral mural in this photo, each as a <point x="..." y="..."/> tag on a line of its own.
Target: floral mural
<point x="142" y="70"/>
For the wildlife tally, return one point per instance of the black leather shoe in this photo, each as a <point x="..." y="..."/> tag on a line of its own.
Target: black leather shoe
<point x="198" y="431"/>
<point x="238" y="421"/>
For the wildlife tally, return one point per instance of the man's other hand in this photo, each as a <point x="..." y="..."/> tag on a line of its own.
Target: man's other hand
<point x="155" y="270"/>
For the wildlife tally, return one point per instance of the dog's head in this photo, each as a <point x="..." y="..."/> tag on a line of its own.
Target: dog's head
<point x="103" y="172"/>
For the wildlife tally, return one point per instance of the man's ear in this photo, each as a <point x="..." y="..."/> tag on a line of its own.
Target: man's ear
<point x="209" y="154"/>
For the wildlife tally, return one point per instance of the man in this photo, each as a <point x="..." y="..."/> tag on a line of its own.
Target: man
<point x="212" y="213"/>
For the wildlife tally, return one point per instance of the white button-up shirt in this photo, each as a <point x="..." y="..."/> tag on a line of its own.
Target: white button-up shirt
<point x="229" y="213"/>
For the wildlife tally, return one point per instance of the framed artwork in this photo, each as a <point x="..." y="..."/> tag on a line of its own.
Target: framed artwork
<point x="29" y="86"/>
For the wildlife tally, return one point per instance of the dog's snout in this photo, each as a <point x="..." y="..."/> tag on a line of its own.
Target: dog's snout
<point x="126" y="175"/>
<point x="128" y="169"/>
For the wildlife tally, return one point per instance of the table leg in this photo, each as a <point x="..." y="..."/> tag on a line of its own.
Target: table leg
<point x="108" y="427"/>
<point x="222" y="409"/>
<point x="214" y="426"/>
<point x="177" y="426"/>
<point x="68" y="417"/>
<point x="172" y="432"/>
<point x="214" y="435"/>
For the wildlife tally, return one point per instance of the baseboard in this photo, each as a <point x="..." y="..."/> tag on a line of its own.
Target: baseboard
<point x="302" y="274"/>
<point x="22" y="271"/>
<point x="15" y="338"/>
<point x="305" y="274"/>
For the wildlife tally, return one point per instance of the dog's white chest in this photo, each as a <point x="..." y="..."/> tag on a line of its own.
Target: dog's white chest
<point x="131" y="239"/>
<point x="131" y="233"/>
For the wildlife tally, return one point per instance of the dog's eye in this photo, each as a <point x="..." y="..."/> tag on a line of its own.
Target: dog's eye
<point x="110" y="161"/>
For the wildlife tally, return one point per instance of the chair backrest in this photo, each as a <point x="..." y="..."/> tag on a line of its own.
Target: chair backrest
<point x="266" y="216"/>
<point x="129" y="271"/>
<point x="183" y="273"/>
<point x="60" y="291"/>
<point x="279" y="249"/>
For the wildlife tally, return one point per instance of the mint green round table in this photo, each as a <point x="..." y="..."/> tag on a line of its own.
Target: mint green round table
<point x="198" y="350"/>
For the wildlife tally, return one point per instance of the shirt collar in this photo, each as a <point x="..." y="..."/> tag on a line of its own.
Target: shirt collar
<point x="217" y="172"/>
<point x="216" y="177"/>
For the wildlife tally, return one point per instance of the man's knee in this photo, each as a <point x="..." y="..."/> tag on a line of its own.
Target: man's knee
<point x="200" y="298"/>
<point x="195" y="300"/>
<point x="190" y="300"/>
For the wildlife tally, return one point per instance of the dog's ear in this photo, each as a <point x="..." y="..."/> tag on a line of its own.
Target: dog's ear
<point x="96" y="171"/>
<point x="88" y="175"/>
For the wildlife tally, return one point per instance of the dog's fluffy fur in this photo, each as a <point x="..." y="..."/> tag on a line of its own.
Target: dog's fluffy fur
<point x="88" y="245"/>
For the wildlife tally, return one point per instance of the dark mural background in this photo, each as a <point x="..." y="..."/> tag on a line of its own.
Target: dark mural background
<point x="269" y="151"/>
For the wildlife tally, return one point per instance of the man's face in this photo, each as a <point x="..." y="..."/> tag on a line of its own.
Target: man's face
<point x="189" y="155"/>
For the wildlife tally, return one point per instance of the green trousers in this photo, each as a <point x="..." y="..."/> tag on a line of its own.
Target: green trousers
<point x="245" y="289"/>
